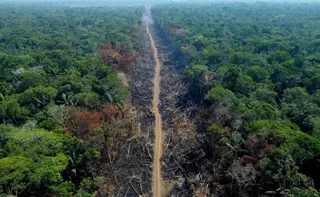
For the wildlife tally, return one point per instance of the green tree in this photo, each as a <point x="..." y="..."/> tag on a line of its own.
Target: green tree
<point x="316" y="98"/>
<point x="200" y="42"/>
<point x="265" y="95"/>
<point x="231" y="77"/>
<point x="222" y="96"/>
<point x="313" y="84"/>
<point x="31" y="79"/>
<point x="11" y="111"/>
<point x="89" y="100"/>
<point x="212" y="56"/>
<point x="297" y="105"/>
<point x="254" y="110"/>
<point x="244" y="85"/>
<point x="279" y="56"/>
<point x="6" y="89"/>
<point x="224" y="69"/>
<point x="110" y="88"/>
<point x="196" y="76"/>
<point x="48" y="170"/>
<point x="64" y="189"/>
<point x="14" y="174"/>
<point x="38" y="97"/>
<point x="241" y="58"/>
<point x="258" y="74"/>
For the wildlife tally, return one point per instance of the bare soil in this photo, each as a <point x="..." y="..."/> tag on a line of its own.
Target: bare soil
<point x="184" y="154"/>
<point x="127" y="165"/>
<point x="156" y="173"/>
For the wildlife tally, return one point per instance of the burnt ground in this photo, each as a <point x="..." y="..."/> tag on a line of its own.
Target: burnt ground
<point x="192" y="164"/>
<point x="130" y="173"/>
<point x="142" y="84"/>
<point x="184" y="162"/>
<point x="184" y="157"/>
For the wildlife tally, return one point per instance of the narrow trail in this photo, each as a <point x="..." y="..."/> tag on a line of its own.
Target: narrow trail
<point x="156" y="170"/>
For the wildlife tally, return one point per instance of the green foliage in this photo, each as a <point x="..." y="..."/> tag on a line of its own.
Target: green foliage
<point x="14" y="173"/>
<point x="241" y="58"/>
<point x="35" y="143"/>
<point x="296" y="95"/>
<point x="5" y="89"/>
<point x="12" y="111"/>
<point x="244" y="84"/>
<point x="31" y="79"/>
<point x="264" y="67"/>
<point x="298" y="105"/>
<point x="83" y="193"/>
<point x="213" y="56"/>
<point x="215" y="130"/>
<point x="110" y="89"/>
<point x="316" y="98"/>
<point x="313" y="83"/>
<point x="195" y="73"/>
<point x="310" y="191"/>
<point x="34" y="157"/>
<point x="258" y="74"/>
<point x="224" y="69"/>
<point x="196" y="76"/>
<point x="54" y="59"/>
<point x="230" y="78"/>
<point x="280" y="57"/>
<point x="199" y="42"/>
<point x="255" y="110"/>
<point x="48" y="68"/>
<point x="89" y="186"/>
<point x="64" y="189"/>
<point x="222" y="96"/>
<point x="265" y="95"/>
<point x="38" y="97"/>
<point x="88" y="100"/>
<point x="313" y="123"/>
<point x="44" y="156"/>
<point x="49" y="170"/>
<point x="308" y="147"/>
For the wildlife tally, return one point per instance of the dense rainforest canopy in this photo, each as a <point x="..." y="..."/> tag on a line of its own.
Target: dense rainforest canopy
<point x="58" y="89"/>
<point x="255" y="69"/>
<point x="252" y="73"/>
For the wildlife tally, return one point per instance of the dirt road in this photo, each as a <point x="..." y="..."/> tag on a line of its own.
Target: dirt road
<point x="156" y="171"/>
